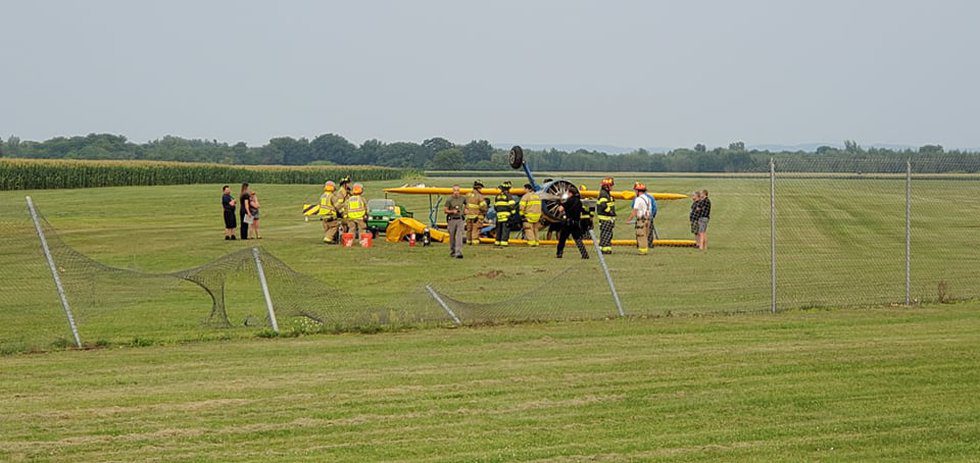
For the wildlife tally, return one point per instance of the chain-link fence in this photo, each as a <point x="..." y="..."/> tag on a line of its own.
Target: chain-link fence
<point x="807" y="234"/>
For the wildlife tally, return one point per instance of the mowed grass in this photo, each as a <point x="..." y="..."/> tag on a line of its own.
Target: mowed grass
<point x="841" y="242"/>
<point x="873" y="385"/>
<point x="869" y="384"/>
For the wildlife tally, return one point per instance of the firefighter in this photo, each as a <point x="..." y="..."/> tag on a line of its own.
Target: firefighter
<point x="355" y="211"/>
<point x="641" y="216"/>
<point x="505" y="206"/>
<point x="605" y="211"/>
<point x="328" y="213"/>
<point x="530" y="207"/>
<point x="476" y="212"/>
<point x="570" y="208"/>
<point x="588" y="214"/>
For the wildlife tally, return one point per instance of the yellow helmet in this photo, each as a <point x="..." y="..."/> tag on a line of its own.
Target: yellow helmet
<point x="329" y="187"/>
<point x="358" y="189"/>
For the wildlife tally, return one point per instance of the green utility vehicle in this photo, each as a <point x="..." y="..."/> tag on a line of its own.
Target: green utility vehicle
<point x="381" y="212"/>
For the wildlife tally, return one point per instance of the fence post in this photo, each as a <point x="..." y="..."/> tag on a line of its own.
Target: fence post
<point x="54" y="271"/>
<point x="265" y="290"/>
<point x="772" y="234"/>
<point x="445" y="306"/>
<point x="908" y="231"/>
<point x="605" y="269"/>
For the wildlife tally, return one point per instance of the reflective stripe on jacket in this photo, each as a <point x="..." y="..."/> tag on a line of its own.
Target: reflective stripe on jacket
<point x="504" y="204"/>
<point x="531" y="207"/>
<point x="326" y="206"/>
<point x="605" y="207"/>
<point x="356" y="207"/>
<point x="475" y="206"/>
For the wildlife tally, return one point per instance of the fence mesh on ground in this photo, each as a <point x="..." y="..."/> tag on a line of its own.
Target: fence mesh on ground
<point x="840" y="241"/>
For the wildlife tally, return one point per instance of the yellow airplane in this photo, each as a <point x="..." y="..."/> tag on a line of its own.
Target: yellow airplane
<point x="551" y="193"/>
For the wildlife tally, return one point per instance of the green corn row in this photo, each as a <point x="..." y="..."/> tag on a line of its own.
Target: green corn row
<point x="31" y="174"/>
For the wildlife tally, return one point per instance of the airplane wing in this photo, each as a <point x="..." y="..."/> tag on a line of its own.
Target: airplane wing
<point x="428" y="190"/>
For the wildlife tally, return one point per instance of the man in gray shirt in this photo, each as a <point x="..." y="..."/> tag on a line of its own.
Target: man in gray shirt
<point x="455" y="207"/>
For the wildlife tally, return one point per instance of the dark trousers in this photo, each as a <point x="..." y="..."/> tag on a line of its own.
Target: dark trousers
<point x="244" y="226"/>
<point x="502" y="232"/>
<point x="575" y="230"/>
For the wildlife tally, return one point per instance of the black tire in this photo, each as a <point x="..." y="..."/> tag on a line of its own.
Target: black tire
<point x="516" y="157"/>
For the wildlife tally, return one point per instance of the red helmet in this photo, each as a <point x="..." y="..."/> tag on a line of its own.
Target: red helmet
<point x="607" y="183"/>
<point x="639" y="186"/>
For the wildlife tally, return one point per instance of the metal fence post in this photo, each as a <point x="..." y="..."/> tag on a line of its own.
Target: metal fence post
<point x="443" y="304"/>
<point x="54" y="271"/>
<point x="772" y="234"/>
<point x="908" y="231"/>
<point x="265" y="290"/>
<point x="605" y="269"/>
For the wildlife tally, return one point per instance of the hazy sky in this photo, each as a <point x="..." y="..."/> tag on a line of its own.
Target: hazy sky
<point x="627" y="73"/>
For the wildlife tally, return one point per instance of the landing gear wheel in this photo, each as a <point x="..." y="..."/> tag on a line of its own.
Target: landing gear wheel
<point x="516" y="157"/>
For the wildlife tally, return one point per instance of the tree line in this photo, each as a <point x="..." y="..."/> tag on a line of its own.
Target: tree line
<point x="441" y="154"/>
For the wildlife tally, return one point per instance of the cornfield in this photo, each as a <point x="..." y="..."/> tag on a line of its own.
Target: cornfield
<point x="30" y="174"/>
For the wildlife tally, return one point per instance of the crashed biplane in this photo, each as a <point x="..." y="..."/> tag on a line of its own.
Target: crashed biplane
<point x="551" y="192"/>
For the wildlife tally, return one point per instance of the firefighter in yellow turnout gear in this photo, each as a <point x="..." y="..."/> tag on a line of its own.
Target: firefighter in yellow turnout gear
<point x="476" y="213"/>
<point x="605" y="211"/>
<point x="355" y="211"/>
<point x="328" y="212"/>
<point x="530" y="207"/>
<point x="504" y="205"/>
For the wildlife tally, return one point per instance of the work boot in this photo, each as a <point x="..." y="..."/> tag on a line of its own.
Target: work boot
<point x="558" y="256"/>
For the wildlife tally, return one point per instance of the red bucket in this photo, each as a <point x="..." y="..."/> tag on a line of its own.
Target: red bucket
<point x="347" y="239"/>
<point x="366" y="239"/>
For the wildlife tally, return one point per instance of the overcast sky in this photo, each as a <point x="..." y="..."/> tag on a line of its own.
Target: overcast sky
<point x="626" y="73"/>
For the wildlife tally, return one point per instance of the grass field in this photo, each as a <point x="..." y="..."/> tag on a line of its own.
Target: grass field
<point x="841" y="243"/>
<point x="857" y="381"/>
<point x="874" y="385"/>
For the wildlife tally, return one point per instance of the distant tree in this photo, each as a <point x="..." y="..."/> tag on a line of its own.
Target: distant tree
<point x="448" y="159"/>
<point x="931" y="149"/>
<point x="737" y="146"/>
<point x="477" y="150"/>
<point x="1" y="147"/>
<point x="438" y="144"/>
<point x="826" y="149"/>
<point x="237" y="153"/>
<point x="851" y="146"/>
<point x="700" y="148"/>
<point x="292" y="151"/>
<point x="370" y="152"/>
<point x="399" y="154"/>
<point x="333" y="148"/>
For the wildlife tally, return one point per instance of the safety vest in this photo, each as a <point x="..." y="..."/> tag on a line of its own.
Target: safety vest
<point x="605" y="207"/>
<point x="326" y="207"/>
<point x="531" y="207"/>
<point x="475" y="207"/>
<point x="504" y="205"/>
<point x="356" y="207"/>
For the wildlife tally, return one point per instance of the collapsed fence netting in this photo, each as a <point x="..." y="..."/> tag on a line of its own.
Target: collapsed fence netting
<point x="847" y="233"/>
<point x="111" y="303"/>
